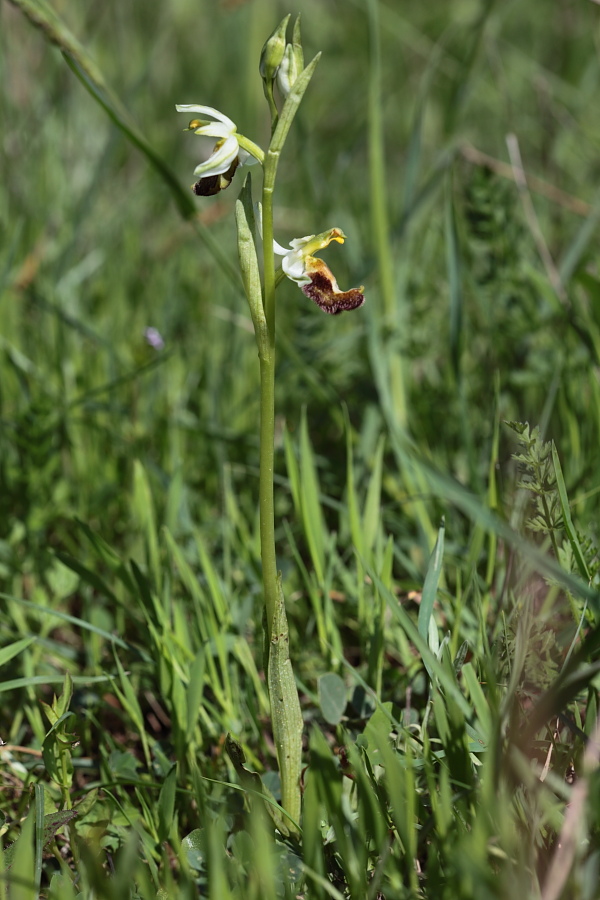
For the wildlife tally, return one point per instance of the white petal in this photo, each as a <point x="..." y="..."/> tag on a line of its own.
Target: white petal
<point x="298" y="243"/>
<point x="293" y="266"/>
<point x="246" y="159"/>
<point x="220" y="161"/>
<point x="207" y="111"/>
<point x="214" y="129"/>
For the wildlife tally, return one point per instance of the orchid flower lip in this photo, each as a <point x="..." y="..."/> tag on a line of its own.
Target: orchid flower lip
<point x="312" y="275"/>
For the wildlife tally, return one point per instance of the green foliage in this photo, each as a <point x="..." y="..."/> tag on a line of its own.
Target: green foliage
<point x="538" y="477"/>
<point x="448" y="693"/>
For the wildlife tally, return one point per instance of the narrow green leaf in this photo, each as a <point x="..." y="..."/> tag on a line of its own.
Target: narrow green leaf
<point x="480" y="703"/>
<point x="430" y="586"/>
<point x="453" y="266"/>
<point x="430" y="661"/>
<point x="572" y="256"/>
<point x="143" y="505"/>
<point x="244" y="218"/>
<point x="372" y="512"/>
<point x="566" y="515"/>
<point x="194" y="692"/>
<point x="128" y="698"/>
<point x="39" y="834"/>
<point x="11" y="650"/>
<point x="20" y="858"/>
<point x="219" y="601"/>
<point x="87" y="575"/>
<point x="448" y="489"/>
<point x="400" y="786"/>
<point x="356" y="530"/>
<point x="293" y="471"/>
<point x="107" y="555"/>
<point x="290" y="107"/>
<point x="372" y="818"/>
<point x="31" y="680"/>
<point x="166" y="804"/>
<point x="314" y="527"/>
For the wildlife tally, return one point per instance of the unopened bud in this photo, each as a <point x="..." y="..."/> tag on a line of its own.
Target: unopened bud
<point x="273" y="52"/>
<point x="287" y="72"/>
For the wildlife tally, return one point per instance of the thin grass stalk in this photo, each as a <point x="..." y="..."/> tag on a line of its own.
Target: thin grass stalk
<point x="379" y="216"/>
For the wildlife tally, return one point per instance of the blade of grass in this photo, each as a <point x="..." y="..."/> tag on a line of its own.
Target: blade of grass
<point x="427" y="626"/>
<point x="567" y="519"/>
<point x="73" y="620"/>
<point x="312" y="515"/>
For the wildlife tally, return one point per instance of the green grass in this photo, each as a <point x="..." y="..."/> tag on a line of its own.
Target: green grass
<point x="448" y="695"/>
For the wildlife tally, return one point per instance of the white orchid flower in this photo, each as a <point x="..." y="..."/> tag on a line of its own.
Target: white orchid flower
<point x="230" y="151"/>
<point x="313" y="276"/>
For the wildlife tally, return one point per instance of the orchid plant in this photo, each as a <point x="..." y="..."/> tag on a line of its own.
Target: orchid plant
<point x="285" y="80"/>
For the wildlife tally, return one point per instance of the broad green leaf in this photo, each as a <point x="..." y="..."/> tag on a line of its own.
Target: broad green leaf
<point x="286" y="715"/>
<point x="193" y="846"/>
<point x="244" y="217"/>
<point x="332" y="697"/>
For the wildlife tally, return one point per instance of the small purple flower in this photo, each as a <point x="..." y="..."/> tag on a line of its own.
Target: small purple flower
<point x="154" y="338"/>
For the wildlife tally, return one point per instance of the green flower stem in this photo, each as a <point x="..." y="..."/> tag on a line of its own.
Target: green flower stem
<point x="267" y="518"/>
<point x="286" y="715"/>
<point x="267" y="347"/>
<point x="268" y="89"/>
<point x="267" y="398"/>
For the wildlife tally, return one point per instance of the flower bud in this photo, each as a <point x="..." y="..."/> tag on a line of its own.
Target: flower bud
<point x="287" y="72"/>
<point x="273" y="52"/>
